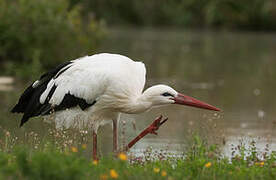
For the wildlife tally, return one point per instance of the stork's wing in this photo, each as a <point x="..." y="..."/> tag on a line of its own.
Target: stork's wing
<point x="80" y="83"/>
<point x="68" y="85"/>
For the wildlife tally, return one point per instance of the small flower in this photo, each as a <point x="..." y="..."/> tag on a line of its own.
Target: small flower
<point x="113" y="174"/>
<point x="207" y="165"/>
<point x="259" y="163"/>
<point x="84" y="146"/>
<point x="122" y="156"/>
<point x="163" y="173"/>
<point x="74" y="149"/>
<point x="103" y="177"/>
<point x="95" y="162"/>
<point x="156" y="170"/>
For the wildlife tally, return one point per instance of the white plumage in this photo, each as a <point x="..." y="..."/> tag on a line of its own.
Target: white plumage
<point x="92" y="90"/>
<point x="101" y="78"/>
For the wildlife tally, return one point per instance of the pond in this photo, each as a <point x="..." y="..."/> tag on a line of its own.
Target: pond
<point x="234" y="71"/>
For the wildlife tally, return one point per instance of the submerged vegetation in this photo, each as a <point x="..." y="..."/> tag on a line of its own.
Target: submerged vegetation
<point x="199" y="161"/>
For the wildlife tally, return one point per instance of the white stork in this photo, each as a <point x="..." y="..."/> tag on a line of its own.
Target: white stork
<point x="92" y="90"/>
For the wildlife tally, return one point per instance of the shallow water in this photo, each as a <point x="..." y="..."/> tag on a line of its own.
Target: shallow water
<point x="234" y="71"/>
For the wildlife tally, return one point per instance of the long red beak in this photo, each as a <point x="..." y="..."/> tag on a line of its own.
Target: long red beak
<point x="189" y="101"/>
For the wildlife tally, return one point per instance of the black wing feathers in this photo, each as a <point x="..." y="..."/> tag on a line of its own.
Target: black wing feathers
<point x="72" y="101"/>
<point x="20" y="107"/>
<point x="33" y="107"/>
<point x="52" y="73"/>
<point x="29" y="103"/>
<point x="28" y="94"/>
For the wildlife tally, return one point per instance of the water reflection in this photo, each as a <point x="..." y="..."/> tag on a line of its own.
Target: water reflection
<point x="234" y="71"/>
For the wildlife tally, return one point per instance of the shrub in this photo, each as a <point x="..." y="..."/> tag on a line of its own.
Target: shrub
<point x="37" y="35"/>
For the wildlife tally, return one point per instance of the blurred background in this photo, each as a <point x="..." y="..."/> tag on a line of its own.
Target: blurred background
<point x="220" y="51"/>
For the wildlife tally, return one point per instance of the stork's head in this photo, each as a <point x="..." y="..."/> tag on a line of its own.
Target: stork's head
<point x="163" y="95"/>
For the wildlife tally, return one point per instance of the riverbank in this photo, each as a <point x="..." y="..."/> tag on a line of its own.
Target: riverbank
<point x="199" y="161"/>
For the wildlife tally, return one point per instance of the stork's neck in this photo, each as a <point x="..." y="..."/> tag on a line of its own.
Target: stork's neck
<point x="137" y="104"/>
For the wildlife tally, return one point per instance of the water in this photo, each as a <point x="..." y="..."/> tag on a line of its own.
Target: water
<point x="234" y="71"/>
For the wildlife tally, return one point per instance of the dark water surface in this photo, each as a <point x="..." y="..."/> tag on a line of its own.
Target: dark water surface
<point x="234" y="71"/>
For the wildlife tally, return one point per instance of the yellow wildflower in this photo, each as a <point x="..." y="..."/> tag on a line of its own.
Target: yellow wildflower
<point x="207" y="165"/>
<point x="113" y="174"/>
<point x="84" y="146"/>
<point x="74" y="149"/>
<point x="156" y="170"/>
<point x="163" y="173"/>
<point x="122" y="156"/>
<point x="103" y="177"/>
<point x="95" y="162"/>
<point x="259" y="163"/>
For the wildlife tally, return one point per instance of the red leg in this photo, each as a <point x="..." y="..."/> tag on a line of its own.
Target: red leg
<point x="115" y="136"/>
<point x="150" y="129"/>
<point x="95" y="145"/>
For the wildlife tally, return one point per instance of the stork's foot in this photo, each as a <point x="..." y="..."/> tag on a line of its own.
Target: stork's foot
<point x="151" y="129"/>
<point x="156" y="124"/>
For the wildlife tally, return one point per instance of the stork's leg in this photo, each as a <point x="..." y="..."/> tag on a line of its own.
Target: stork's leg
<point x="95" y="145"/>
<point x="115" y="135"/>
<point x="152" y="128"/>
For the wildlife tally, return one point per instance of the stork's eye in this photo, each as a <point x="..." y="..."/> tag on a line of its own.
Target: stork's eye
<point x="167" y="94"/>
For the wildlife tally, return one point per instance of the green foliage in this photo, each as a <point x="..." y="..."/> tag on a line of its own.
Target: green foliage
<point x="199" y="162"/>
<point x="43" y="165"/>
<point x="253" y="14"/>
<point x="37" y="35"/>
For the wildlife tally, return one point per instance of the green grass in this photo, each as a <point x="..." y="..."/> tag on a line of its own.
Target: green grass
<point x="199" y="161"/>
